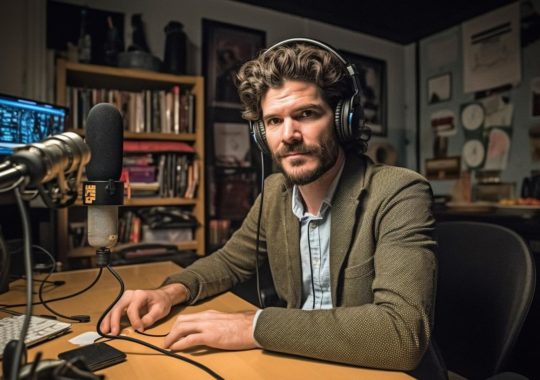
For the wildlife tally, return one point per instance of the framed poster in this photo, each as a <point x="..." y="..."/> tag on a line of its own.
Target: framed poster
<point x="232" y="144"/>
<point x="225" y="48"/>
<point x="373" y="82"/>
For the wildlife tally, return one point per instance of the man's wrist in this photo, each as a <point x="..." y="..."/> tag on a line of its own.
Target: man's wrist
<point x="177" y="293"/>
<point x="254" y="325"/>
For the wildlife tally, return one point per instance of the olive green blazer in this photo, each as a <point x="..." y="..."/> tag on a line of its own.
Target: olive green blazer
<point x="382" y="264"/>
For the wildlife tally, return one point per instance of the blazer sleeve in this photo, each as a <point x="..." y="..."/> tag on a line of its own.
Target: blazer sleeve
<point x="393" y="331"/>
<point x="225" y="268"/>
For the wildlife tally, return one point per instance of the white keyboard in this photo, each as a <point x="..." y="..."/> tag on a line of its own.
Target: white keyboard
<point x="40" y="329"/>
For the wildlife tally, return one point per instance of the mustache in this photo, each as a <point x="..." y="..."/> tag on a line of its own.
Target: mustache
<point x="297" y="148"/>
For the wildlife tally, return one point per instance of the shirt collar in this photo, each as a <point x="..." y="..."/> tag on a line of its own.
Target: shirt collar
<point x="298" y="205"/>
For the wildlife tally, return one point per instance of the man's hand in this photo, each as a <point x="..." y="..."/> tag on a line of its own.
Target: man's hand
<point x="143" y="307"/>
<point x="213" y="329"/>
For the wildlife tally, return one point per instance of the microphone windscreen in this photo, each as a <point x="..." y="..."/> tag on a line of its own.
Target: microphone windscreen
<point x="104" y="136"/>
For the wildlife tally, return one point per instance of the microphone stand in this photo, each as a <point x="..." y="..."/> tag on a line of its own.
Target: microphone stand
<point x="15" y="356"/>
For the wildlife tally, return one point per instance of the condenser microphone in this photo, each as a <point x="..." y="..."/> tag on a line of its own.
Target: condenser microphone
<point x="57" y="162"/>
<point x="103" y="192"/>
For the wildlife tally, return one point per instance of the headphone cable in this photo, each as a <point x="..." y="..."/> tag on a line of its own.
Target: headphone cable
<point x="257" y="270"/>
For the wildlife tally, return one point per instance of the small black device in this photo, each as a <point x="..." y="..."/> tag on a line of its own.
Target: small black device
<point x="95" y="356"/>
<point x="348" y="115"/>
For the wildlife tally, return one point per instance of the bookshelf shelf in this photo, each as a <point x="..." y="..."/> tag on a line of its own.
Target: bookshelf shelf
<point x="160" y="202"/>
<point x="140" y="202"/>
<point x="70" y="76"/>
<point x="187" y="137"/>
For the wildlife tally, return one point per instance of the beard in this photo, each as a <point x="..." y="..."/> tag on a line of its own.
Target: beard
<point x="326" y="155"/>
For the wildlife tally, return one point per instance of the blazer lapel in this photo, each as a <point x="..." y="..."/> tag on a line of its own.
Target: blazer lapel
<point x="291" y="227"/>
<point x="344" y="216"/>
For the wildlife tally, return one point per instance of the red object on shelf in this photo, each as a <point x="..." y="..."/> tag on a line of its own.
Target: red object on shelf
<point x="157" y="146"/>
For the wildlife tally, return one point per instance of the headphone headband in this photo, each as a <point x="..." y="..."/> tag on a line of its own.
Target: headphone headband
<point x="348" y="112"/>
<point x="351" y="68"/>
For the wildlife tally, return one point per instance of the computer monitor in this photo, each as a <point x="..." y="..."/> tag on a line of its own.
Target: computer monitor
<point x="24" y="121"/>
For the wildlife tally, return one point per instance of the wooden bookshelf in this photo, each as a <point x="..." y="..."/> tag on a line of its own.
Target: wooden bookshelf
<point x="113" y="78"/>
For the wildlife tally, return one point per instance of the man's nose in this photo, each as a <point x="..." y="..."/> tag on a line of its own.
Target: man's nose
<point x="291" y="131"/>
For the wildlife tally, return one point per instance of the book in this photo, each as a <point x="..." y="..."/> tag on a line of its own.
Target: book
<point x="157" y="146"/>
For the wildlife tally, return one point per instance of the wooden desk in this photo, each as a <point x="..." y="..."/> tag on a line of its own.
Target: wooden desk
<point x="143" y="363"/>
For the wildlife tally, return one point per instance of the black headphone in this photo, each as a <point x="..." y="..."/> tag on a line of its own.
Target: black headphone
<point x="348" y="115"/>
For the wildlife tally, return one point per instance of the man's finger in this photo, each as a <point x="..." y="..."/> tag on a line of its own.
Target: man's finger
<point x="189" y="341"/>
<point x="134" y="313"/>
<point x="151" y="317"/>
<point x="106" y="323"/>
<point x="181" y="330"/>
<point x="116" y="314"/>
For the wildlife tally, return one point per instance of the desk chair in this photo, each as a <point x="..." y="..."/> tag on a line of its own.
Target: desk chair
<point x="486" y="284"/>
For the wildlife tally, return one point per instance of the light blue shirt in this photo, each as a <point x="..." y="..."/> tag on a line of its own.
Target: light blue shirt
<point x="314" y="242"/>
<point x="315" y="249"/>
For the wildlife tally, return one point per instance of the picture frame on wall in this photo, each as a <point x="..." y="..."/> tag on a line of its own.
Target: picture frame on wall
<point x="225" y="48"/>
<point x="372" y="72"/>
<point x="232" y="144"/>
<point x="439" y="88"/>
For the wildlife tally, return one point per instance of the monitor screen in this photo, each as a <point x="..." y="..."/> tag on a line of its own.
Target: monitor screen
<point x="25" y="121"/>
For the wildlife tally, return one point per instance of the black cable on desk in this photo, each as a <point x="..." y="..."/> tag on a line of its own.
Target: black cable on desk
<point x="5" y="306"/>
<point x="146" y="344"/>
<point x="75" y="318"/>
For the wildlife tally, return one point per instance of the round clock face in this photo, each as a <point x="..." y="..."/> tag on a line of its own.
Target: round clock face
<point x="472" y="116"/>
<point x="473" y="153"/>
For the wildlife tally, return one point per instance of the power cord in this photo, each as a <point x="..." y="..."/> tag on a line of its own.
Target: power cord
<point x="103" y="259"/>
<point x="6" y="306"/>
<point x="75" y="318"/>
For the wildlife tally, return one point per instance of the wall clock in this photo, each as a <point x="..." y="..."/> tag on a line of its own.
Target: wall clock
<point x="472" y="116"/>
<point x="474" y="153"/>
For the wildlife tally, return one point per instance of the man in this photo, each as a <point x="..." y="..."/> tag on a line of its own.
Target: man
<point x="348" y="242"/>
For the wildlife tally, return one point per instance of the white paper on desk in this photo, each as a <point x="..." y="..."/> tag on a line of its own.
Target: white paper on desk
<point x="85" y="338"/>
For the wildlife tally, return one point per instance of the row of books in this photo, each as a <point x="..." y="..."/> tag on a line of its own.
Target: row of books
<point x="149" y="225"/>
<point x="164" y="175"/>
<point x="159" y="111"/>
<point x="156" y="224"/>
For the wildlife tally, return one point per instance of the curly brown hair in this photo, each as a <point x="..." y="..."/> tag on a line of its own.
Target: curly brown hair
<point x="296" y="61"/>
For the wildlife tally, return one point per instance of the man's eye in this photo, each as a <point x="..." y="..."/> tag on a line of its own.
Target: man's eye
<point x="306" y="113"/>
<point x="273" y="121"/>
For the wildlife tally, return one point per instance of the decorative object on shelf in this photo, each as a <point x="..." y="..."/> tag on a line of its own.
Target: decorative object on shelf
<point x="374" y="90"/>
<point x="439" y="88"/>
<point x="174" y="60"/>
<point x="113" y="43"/>
<point x="138" y="42"/>
<point x="85" y="40"/>
<point x="138" y="54"/>
<point x="225" y="48"/>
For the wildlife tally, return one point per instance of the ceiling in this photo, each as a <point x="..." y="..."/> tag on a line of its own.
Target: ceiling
<point x="404" y="21"/>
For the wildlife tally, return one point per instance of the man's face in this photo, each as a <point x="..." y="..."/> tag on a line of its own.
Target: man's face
<point x="300" y="131"/>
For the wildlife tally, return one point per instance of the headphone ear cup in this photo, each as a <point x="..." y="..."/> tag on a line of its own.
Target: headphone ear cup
<point x="259" y="136"/>
<point x="341" y="121"/>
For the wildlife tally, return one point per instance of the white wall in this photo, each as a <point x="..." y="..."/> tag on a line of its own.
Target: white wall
<point x="519" y="164"/>
<point x="278" y="26"/>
